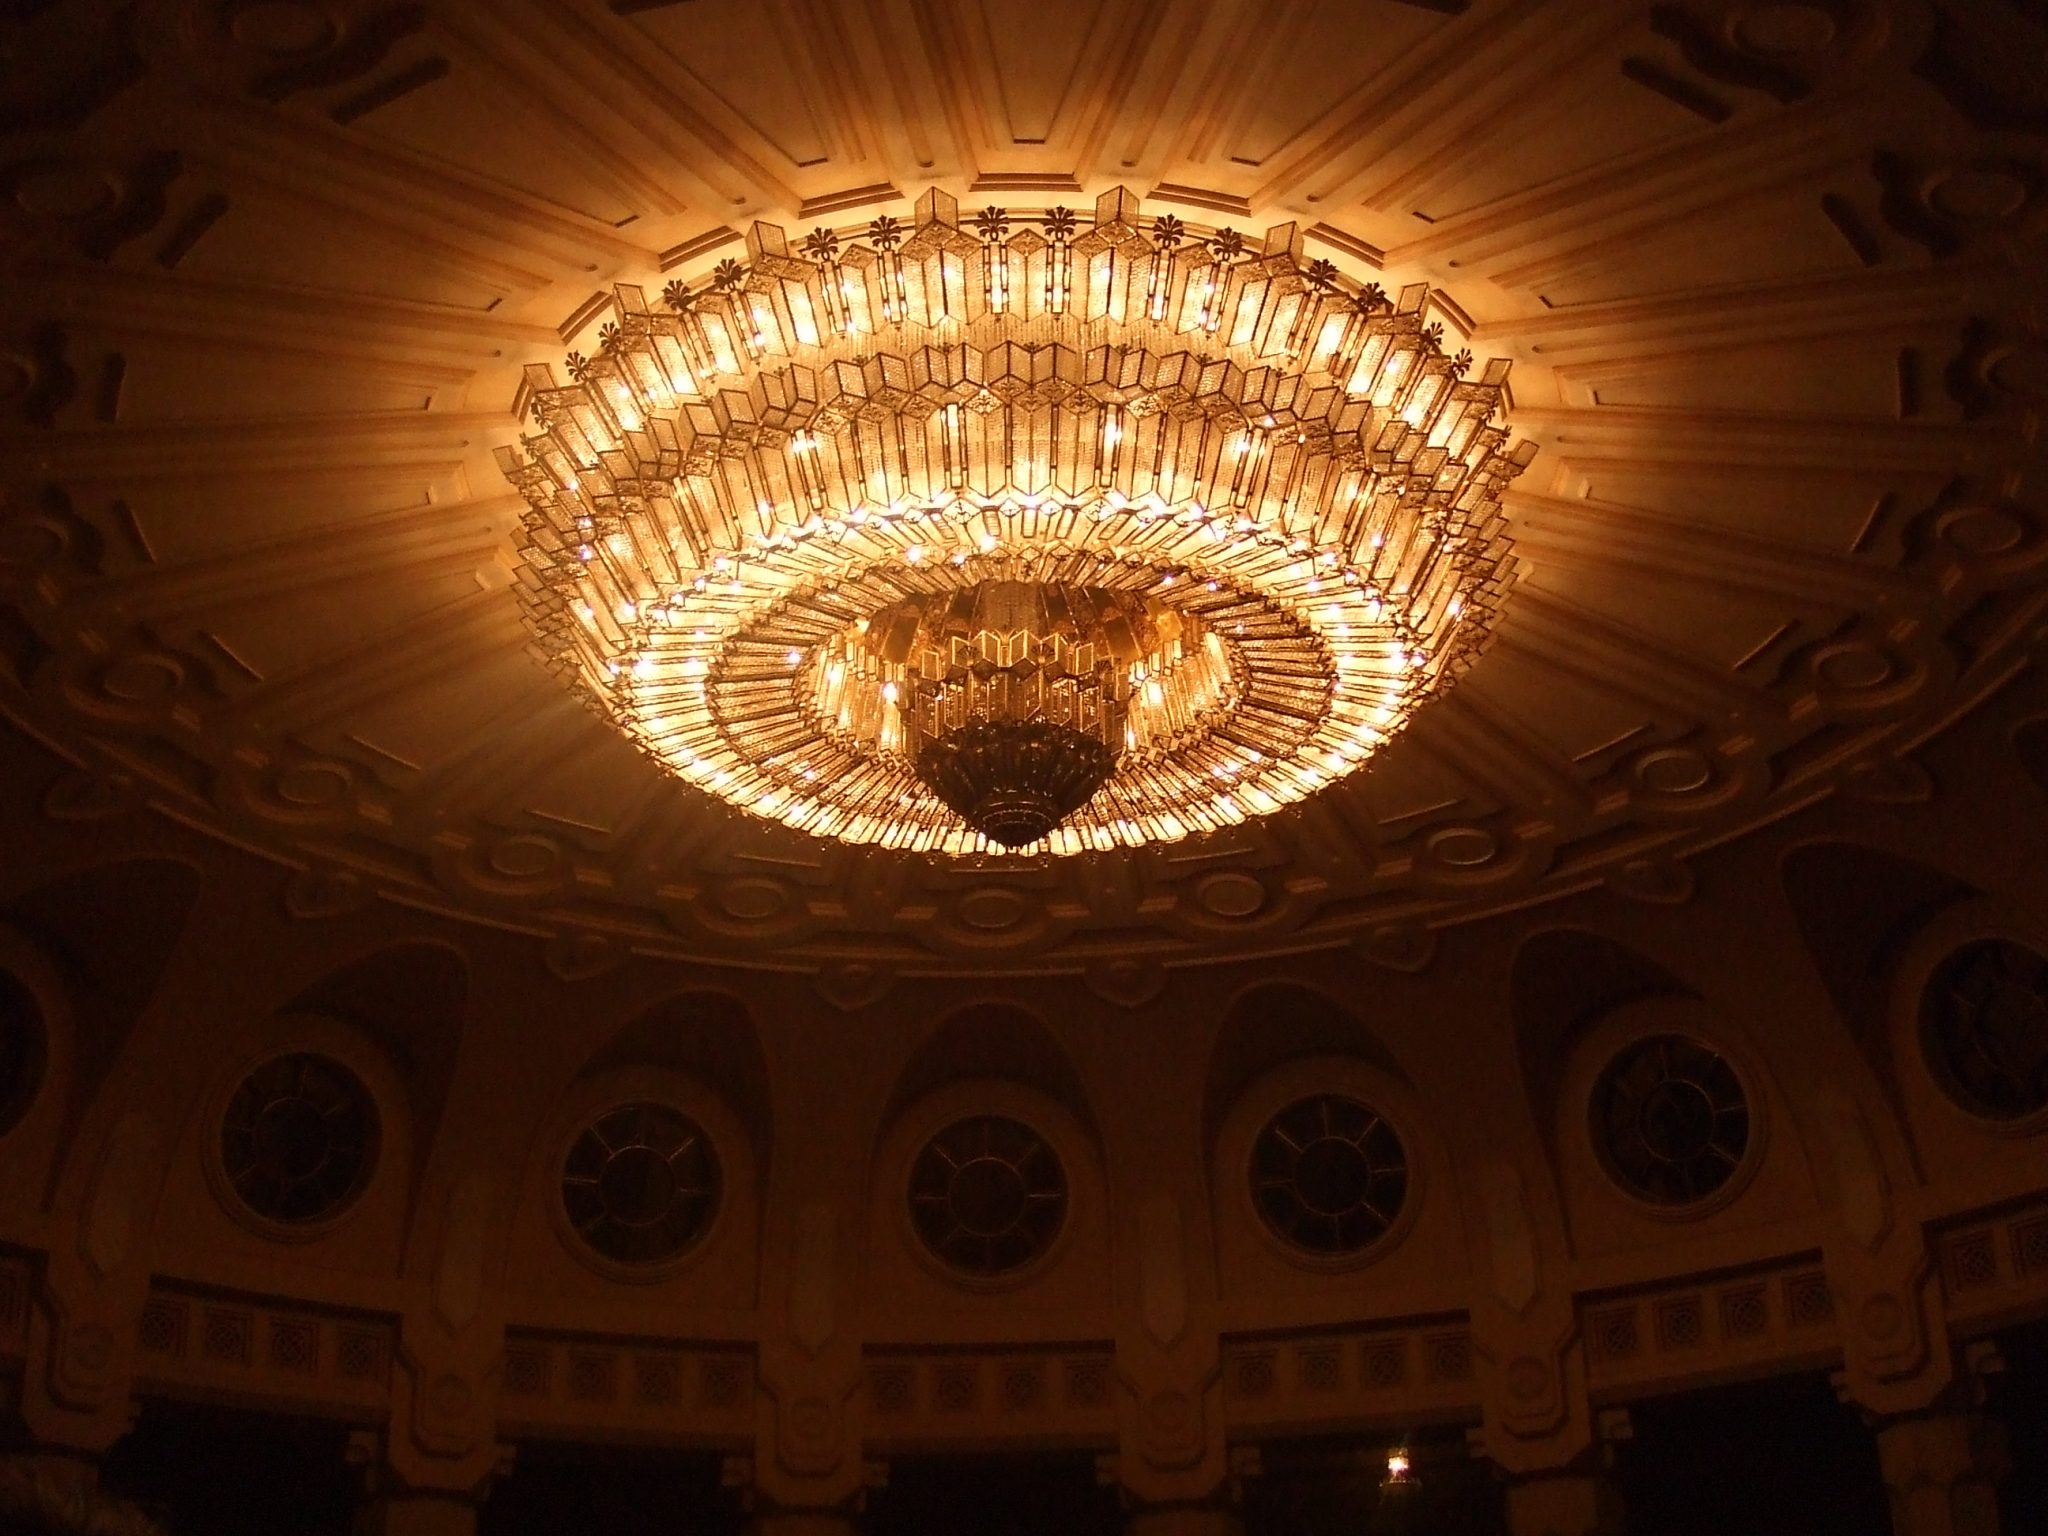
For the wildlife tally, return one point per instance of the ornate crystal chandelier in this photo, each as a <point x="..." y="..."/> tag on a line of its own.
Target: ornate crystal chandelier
<point x="1019" y="534"/>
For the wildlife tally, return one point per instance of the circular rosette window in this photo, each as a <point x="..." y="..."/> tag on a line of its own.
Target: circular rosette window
<point x="1670" y="1120"/>
<point x="1329" y="1176"/>
<point x="299" y="1140"/>
<point x="987" y="1196"/>
<point x="22" y="1051"/>
<point x="641" y="1185"/>
<point x="1984" y="1027"/>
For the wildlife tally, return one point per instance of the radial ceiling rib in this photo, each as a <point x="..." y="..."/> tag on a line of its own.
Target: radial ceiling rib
<point x="187" y="304"/>
<point x="1607" y="538"/>
<point x="1667" y="684"/>
<point x="1213" y="81"/>
<point x="1714" y="317"/>
<point x="651" y="166"/>
<point x="1765" y="440"/>
<point x="494" y="759"/>
<point x="389" y="187"/>
<point x="1473" y="69"/>
<point x="377" y="668"/>
<point x="1165" y="94"/>
<point x="261" y="445"/>
<point x="1445" y="119"/>
<point x="905" y="116"/>
<point x="814" y="39"/>
<point x="1598" y="209"/>
<point x="608" y="58"/>
<point x="507" y="784"/>
<point x="647" y="174"/>
<point x="1134" y="55"/>
<point x="411" y="541"/>
<point x="1511" y="764"/>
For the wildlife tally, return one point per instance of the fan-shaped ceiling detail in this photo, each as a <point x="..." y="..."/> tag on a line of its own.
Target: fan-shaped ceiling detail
<point x="274" y="274"/>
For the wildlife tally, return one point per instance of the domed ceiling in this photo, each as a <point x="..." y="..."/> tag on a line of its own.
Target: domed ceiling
<point x="1769" y="275"/>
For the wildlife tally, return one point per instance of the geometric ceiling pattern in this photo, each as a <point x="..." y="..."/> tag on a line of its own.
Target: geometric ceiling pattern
<point x="1770" y="275"/>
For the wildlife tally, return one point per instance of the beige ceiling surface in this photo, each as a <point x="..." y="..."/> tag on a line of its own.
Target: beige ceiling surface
<point x="1770" y="274"/>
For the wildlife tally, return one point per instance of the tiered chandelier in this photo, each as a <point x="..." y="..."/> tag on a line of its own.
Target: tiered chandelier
<point x="1018" y="534"/>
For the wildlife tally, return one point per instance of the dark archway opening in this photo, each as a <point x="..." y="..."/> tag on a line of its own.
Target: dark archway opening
<point x="1049" y="1494"/>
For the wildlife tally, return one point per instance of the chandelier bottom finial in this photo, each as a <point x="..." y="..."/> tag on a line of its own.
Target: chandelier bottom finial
<point x="1013" y="781"/>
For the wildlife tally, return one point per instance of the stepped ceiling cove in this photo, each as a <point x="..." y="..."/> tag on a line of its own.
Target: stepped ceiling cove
<point x="891" y="488"/>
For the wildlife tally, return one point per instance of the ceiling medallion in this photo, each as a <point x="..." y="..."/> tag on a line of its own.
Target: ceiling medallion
<point x="1024" y="534"/>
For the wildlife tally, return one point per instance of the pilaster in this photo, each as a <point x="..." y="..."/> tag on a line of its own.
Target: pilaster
<point x="1184" y="1520"/>
<point x="1582" y="1503"/>
<point x="1941" y="1473"/>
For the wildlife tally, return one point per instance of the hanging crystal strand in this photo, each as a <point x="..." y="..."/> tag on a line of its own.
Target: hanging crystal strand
<point x="803" y="450"/>
<point x="822" y="246"/>
<point x="1319" y="280"/>
<point x="953" y="446"/>
<point x="1224" y="248"/>
<point x="1109" y="447"/>
<point x="1059" y="259"/>
<point x="703" y="357"/>
<point x="1251" y="458"/>
<point x="886" y="234"/>
<point x="729" y="277"/>
<point x="993" y="225"/>
<point x="1370" y="301"/>
<point x="1167" y="234"/>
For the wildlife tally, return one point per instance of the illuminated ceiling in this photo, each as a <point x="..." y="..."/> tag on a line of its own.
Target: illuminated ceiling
<point x="1766" y="274"/>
